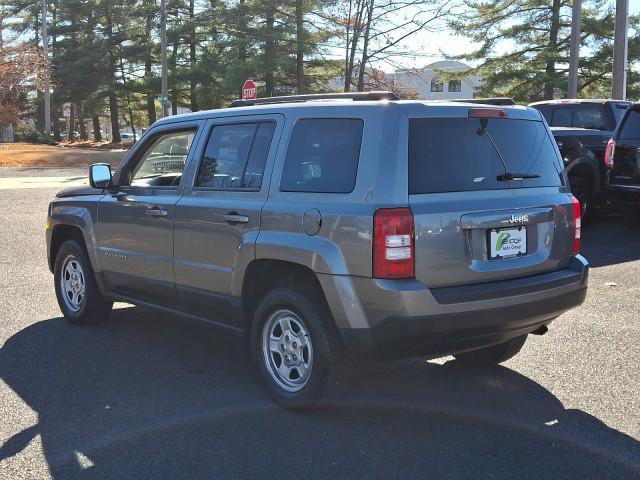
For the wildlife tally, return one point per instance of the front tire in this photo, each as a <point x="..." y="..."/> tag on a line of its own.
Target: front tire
<point x="77" y="292"/>
<point x="295" y="350"/>
<point x="494" y="354"/>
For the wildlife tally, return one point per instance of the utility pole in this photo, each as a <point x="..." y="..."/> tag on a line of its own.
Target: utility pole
<point x="164" y="98"/>
<point x="619" y="87"/>
<point x="574" y="52"/>
<point x="47" y="93"/>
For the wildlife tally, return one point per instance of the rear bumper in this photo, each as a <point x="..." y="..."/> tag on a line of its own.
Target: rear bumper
<point x="402" y="318"/>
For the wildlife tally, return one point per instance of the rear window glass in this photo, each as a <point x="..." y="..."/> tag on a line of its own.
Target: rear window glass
<point x="562" y="117"/>
<point x="631" y="126"/>
<point x="322" y="156"/>
<point x="463" y="154"/>
<point x="590" y="116"/>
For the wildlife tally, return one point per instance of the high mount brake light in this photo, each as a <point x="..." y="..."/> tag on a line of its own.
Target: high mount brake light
<point x="393" y="243"/>
<point x="577" y="229"/>
<point x="487" y="113"/>
<point x="609" y="153"/>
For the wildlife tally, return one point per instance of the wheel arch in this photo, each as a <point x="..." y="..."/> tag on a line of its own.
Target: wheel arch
<point x="60" y="234"/>
<point x="585" y="169"/>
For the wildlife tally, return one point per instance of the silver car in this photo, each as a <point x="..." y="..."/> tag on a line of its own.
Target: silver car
<point x="326" y="227"/>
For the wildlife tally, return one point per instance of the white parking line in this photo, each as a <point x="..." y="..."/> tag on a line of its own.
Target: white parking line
<point x="42" y="182"/>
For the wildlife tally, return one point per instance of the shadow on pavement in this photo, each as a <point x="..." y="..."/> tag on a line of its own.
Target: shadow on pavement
<point x="152" y="396"/>
<point x="606" y="241"/>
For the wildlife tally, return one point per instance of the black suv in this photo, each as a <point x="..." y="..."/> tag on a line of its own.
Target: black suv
<point x="622" y="158"/>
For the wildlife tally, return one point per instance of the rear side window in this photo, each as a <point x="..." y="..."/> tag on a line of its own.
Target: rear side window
<point x="322" y="156"/>
<point x="630" y="129"/>
<point x="235" y="156"/>
<point x="466" y="154"/>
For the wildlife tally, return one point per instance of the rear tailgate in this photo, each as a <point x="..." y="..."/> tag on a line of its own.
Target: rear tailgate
<point x="474" y="224"/>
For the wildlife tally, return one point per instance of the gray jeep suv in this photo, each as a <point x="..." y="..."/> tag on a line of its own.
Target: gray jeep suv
<point x="322" y="229"/>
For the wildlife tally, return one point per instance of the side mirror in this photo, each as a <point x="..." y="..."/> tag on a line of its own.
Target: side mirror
<point x="100" y="175"/>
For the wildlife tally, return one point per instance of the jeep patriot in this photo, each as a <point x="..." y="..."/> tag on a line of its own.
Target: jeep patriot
<point x="323" y="227"/>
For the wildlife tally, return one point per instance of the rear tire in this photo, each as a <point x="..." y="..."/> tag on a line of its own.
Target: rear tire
<point x="295" y="349"/>
<point x="583" y="191"/>
<point x="492" y="355"/>
<point x="77" y="292"/>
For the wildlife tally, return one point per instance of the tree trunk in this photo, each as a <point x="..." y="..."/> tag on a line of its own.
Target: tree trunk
<point x="115" y="124"/>
<point x="550" y="69"/>
<point x="193" y="83"/>
<point x="365" y="48"/>
<point x="97" y="134"/>
<point x="242" y="42"/>
<point x="148" y="63"/>
<point x="113" y="100"/>
<point x="357" y="30"/>
<point x="269" y="50"/>
<point x="72" y="118"/>
<point x="81" y="125"/>
<point x="300" y="37"/>
<point x="174" y="78"/>
<point x="56" y="123"/>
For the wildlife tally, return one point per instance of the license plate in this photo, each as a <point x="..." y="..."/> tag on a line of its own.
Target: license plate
<point x="507" y="242"/>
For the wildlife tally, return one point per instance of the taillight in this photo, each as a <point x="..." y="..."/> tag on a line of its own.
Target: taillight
<point x="609" y="152"/>
<point x="394" y="248"/>
<point x="487" y="113"/>
<point x="577" y="225"/>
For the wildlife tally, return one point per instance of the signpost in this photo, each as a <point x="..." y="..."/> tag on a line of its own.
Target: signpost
<point x="249" y="90"/>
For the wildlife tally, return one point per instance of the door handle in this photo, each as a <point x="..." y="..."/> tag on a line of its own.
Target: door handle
<point x="233" y="217"/>
<point x="156" y="212"/>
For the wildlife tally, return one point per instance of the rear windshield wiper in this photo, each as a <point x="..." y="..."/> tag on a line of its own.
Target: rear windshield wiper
<point x="515" y="176"/>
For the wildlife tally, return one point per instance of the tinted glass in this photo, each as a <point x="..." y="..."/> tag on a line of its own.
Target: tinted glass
<point x="590" y="116"/>
<point x="630" y="129"/>
<point x="258" y="156"/>
<point x="235" y="156"/>
<point x="458" y="154"/>
<point x="323" y="156"/>
<point x="618" y="110"/>
<point x="561" y="117"/>
<point x="162" y="163"/>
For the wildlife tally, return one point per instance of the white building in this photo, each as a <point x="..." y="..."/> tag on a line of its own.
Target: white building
<point x="427" y="83"/>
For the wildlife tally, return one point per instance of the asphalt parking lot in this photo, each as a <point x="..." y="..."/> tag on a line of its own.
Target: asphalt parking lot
<point x="153" y="396"/>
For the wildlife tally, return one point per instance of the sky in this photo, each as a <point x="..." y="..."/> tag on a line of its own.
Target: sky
<point x="431" y="47"/>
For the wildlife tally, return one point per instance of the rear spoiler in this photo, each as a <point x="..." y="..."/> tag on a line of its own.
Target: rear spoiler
<point x="504" y="101"/>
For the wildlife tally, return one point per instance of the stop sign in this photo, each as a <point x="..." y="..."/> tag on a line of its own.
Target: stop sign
<point x="249" y="90"/>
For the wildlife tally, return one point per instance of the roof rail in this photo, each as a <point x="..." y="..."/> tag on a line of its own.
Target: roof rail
<point x="505" y="101"/>
<point x="355" y="96"/>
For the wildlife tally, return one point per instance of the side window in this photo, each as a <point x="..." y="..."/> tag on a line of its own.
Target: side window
<point x="455" y="85"/>
<point x="162" y="163"/>
<point x="590" y="116"/>
<point x="436" y="85"/>
<point x="561" y="117"/>
<point x="235" y="156"/>
<point x="631" y="127"/>
<point x="322" y="156"/>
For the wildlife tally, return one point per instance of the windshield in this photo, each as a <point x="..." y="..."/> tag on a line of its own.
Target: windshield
<point x="461" y="154"/>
